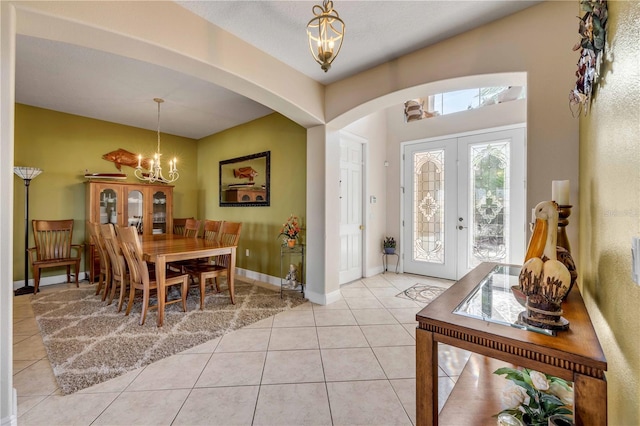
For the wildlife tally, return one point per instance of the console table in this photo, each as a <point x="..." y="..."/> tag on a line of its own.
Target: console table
<point x="574" y="355"/>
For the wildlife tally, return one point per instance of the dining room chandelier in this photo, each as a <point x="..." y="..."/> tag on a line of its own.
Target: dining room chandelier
<point x="153" y="171"/>
<point x="325" y="32"/>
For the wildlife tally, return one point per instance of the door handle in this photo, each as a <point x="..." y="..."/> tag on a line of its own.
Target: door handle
<point x="460" y="227"/>
<point x="362" y="227"/>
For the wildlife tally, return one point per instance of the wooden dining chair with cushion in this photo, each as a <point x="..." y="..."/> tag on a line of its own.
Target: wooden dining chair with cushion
<point x="54" y="248"/>
<point x="104" y="276"/>
<point x="119" y="274"/>
<point x="178" y="224"/>
<point x="229" y="235"/>
<point x="141" y="278"/>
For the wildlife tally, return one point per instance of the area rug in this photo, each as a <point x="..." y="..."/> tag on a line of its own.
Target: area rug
<point x="88" y="342"/>
<point x="422" y="293"/>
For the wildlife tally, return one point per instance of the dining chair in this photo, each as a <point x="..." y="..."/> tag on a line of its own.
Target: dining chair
<point x="229" y="235"/>
<point x="141" y="278"/>
<point x="211" y="229"/>
<point x="119" y="273"/>
<point x="53" y="248"/>
<point x="104" y="276"/>
<point x="191" y="229"/>
<point x="178" y="224"/>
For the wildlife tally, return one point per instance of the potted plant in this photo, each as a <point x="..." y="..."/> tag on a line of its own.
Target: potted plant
<point x="290" y="230"/>
<point x="389" y="245"/>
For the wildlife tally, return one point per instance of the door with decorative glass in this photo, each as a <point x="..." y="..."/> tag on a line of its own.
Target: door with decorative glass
<point x="464" y="203"/>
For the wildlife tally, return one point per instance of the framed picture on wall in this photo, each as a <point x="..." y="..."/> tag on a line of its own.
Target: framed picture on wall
<point x="244" y="181"/>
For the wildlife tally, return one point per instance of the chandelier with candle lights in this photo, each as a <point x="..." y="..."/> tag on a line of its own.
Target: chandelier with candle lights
<point x="154" y="172"/>
<point x="325" y="32"/>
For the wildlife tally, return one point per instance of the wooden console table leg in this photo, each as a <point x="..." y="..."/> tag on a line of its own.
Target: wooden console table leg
<point x="590" y="400"/>
<point x="426" y="378"/>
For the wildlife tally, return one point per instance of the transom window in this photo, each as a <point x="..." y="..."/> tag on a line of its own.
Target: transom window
<point x="460" y="100"/>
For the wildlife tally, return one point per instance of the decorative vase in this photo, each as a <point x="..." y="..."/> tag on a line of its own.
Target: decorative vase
<point x="389" y="250"/>
<point x="291" y="243"/>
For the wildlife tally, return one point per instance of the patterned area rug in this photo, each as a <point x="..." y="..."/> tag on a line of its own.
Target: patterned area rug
<point x="422" y="293"/>
<point x="89" y="342"/>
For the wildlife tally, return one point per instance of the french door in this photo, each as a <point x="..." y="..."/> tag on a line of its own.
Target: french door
<point x="464" y="203"/>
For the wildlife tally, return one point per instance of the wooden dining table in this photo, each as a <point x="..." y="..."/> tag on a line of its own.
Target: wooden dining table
<point x="164" y="248"/>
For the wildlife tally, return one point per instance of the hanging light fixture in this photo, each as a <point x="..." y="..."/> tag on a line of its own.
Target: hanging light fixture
<point x="325" y="32"/>
<point x="154" y="171"/>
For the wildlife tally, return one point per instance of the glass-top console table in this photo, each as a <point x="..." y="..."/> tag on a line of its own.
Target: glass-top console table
<point x="494" y="300"/>
<point x="479" y="313"/>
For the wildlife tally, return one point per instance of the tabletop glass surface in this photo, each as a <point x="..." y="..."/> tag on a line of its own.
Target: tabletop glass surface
<point x="493" y="300"/>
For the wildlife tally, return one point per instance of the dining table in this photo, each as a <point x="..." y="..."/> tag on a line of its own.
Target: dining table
<point x="162" y="249"/>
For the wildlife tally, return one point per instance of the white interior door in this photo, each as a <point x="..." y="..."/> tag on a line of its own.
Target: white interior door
<point x="351" y="183"/>
<point x="464" y="203"/>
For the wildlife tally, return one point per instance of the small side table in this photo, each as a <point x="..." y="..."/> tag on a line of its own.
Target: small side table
<point x="288" y="252"/>
<point x="385" y="262"/>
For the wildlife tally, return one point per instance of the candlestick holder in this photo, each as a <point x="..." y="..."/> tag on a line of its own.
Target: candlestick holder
<point x="563" y="220"/>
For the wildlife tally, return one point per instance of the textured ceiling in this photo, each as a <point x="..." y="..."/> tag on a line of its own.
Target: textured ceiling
<point x="96" y="84"/>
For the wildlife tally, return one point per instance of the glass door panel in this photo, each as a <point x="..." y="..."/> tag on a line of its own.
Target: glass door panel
<point x="108" y="206"/>
<point x="428" y="206"/>
<point x="159" y="212"/>
<point x="135" y="210"/>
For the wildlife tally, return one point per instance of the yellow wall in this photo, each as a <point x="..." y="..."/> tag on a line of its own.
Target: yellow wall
<point x="287" y="142"/>
<point x="610" y="205"/>
<point x="64" y="145"/>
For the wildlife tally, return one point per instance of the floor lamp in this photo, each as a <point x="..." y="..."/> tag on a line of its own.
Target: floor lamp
<point x="27" y="174"/>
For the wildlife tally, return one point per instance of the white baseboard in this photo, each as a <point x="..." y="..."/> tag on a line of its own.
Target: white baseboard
<point x="323" y="299"/>
<point x="377" y="270"/>
<point x="53" y="279"/>
<point x="12" y="419"/>
<point x="258" y="276"/>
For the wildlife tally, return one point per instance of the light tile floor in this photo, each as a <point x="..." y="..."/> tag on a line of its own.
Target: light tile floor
<point x="350" y="362"/>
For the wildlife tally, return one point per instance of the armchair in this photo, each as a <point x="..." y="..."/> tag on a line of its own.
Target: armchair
<point x="53" y="248"/>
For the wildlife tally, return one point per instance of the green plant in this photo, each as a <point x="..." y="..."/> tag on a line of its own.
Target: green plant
<point x="290" y="229"/>
<point x="389" y="242"/>
<point x="533" y="397"/>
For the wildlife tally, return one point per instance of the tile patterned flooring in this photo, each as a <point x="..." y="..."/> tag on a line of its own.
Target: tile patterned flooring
<point x="350" y="362"/>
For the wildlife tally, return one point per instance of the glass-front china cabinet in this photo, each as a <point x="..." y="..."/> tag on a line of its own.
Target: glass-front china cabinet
<point x="147" y="207"/>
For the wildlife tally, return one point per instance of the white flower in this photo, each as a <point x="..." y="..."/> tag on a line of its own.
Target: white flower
<point x="539" y="380"/>
<point x="513" y="396"/>
<point x="565" y="395"/>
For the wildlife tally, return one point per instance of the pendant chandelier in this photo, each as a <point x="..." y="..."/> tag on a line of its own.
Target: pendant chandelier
<point x="154" y="171"/>
<point x="325" y="32"/>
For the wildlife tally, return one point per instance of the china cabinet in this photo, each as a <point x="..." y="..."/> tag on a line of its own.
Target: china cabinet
<point x="147" y="207"/>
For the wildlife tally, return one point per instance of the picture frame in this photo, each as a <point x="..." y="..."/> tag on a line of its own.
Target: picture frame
<point x="245" y="181"/>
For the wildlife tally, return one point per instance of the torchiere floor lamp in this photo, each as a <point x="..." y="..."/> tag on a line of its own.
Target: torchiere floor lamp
<point x="27" y="174"/>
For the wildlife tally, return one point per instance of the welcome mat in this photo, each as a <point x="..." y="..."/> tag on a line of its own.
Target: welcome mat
<point x="422" y="293"/>
<point x="88" y="342"/>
